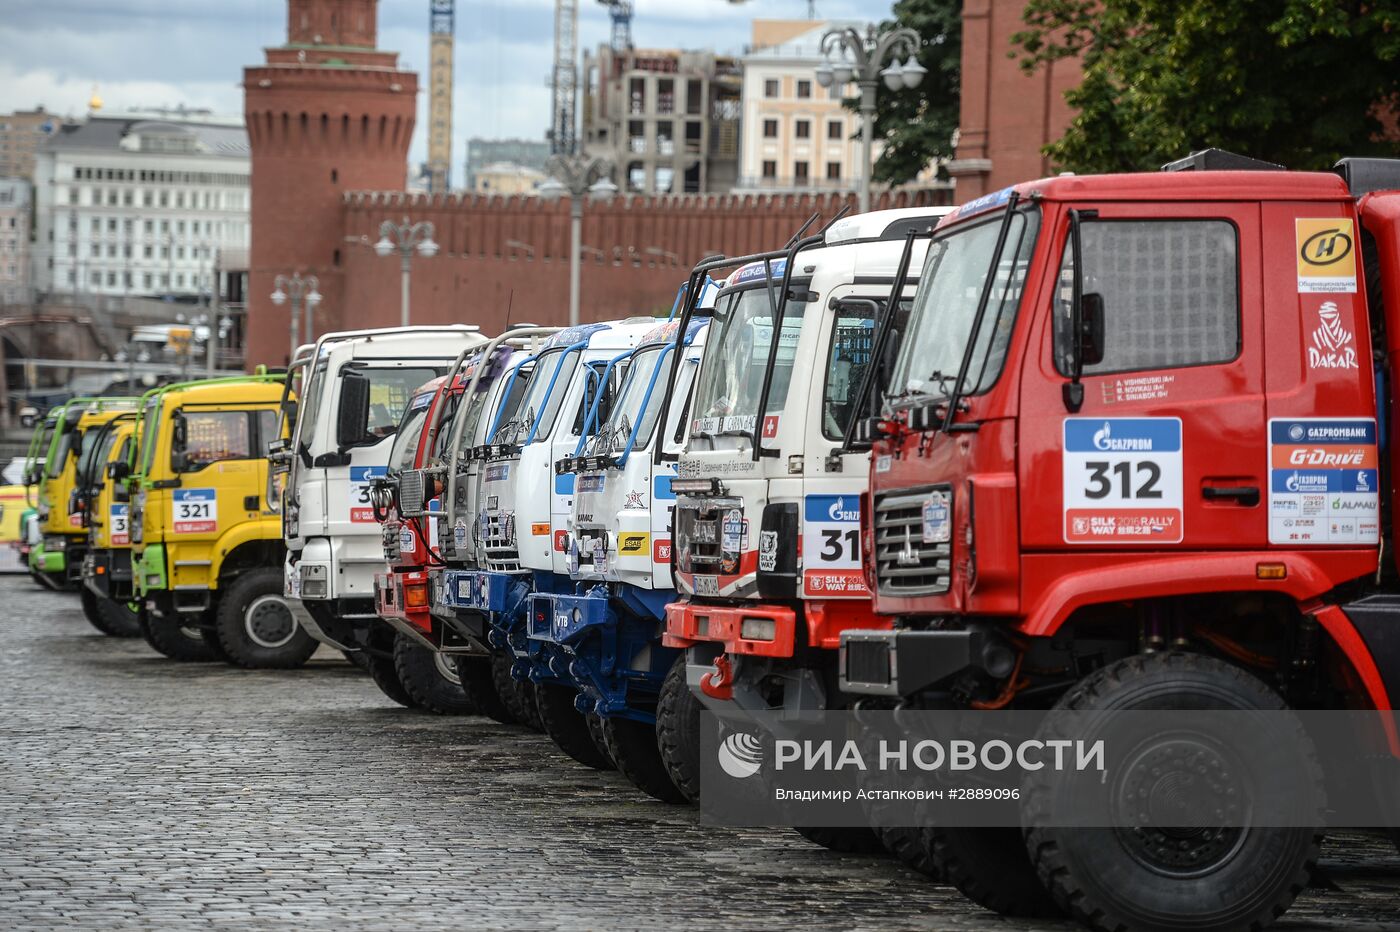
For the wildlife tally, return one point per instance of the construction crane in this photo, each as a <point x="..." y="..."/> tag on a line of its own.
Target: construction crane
<point x="565" y="78"/>
<point x="440" y="28"/>
<point x="621" y="13"/>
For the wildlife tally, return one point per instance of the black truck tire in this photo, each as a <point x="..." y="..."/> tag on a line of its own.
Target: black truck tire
<point x="678" y="731"/>
<point x="567" y="727"/>
<point x="386" y="677"/>
<point x="1217" y="879"/>
<point x="177" y="639"/>
<point x="633" y="747"/>
<point x="519" y="697"/>
<point x="122" y="617"/>
<point x="479" y="684"/>
<point x="254" y="626"/>
<point x="430" y="678"/>
<point x="92" y="611"/>
<point x="908" y="845"/>
<point x="358" y="658"/>
<point x="989" y="866"/>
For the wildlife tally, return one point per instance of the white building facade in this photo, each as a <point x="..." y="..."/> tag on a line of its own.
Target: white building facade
<point x="140" y="205"/>
<point x="14" y="241"/>
<point x="798" y="135"/>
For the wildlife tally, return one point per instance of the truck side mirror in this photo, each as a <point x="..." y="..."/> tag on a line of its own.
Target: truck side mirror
<point x="1091" y="329"/>
<point x="351" y="423"/>
<point x="118" y="471"/>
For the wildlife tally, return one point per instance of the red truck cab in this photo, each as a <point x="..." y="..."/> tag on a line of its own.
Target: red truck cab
<point x="1132" y="441"/>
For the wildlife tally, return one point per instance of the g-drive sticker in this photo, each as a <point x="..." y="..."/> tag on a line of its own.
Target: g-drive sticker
<point x="831" y="546"/>
<point x="196" y="511"/>
<point x="361" y="481"/>
<point x="1122" y="480"/>
<point x="1324" y="481"/>
<point x="118" y="519"/>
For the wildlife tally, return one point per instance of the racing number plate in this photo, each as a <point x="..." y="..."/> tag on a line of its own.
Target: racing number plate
<point x="1122" y="480"/>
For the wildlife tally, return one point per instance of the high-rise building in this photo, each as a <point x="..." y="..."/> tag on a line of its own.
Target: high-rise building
<point x="798" y="135"/>
<point x="21" y="134"/>
<point x="141" y="203"/>
<point x="14" y="241"/>
<point x="667" y="120"/>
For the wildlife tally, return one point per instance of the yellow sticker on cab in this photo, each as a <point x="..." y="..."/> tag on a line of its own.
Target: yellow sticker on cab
<point x="633" y="544"/>
<point x="1326" y="256"/>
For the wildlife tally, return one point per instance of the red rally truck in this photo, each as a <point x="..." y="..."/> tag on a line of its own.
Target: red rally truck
<point x="1134" y="451"/>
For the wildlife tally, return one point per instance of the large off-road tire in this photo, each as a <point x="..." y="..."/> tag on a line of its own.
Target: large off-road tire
<point x="1207" y="878"/>
<point x="989" y="866"/>
<point x="600" y="739"/>
<point x="386" y="677"/>
<point x="90" y="600"/>
<point x="678" y="731"/>
<point x="519" y="697"/>
<point x="908" y="845"/>
<point x="632" y="746"/>
<point x="358" y="658"/>
<point x="479" y="684"/>
<point x="567" y="727"/>
<point x="256" y="628"/>
<point x="430" y="678"/>
<point x="177" y="639"/>
<point x="121" y="617"/>
<point x="847" y="840"/>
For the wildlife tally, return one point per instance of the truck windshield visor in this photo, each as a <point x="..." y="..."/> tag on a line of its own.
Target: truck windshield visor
<point x="945" y="307"/>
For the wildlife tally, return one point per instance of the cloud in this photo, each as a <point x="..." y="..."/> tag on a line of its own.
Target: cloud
<point x="143" y="53"/>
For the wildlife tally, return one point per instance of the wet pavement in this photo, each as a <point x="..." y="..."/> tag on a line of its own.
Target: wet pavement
<point x="134" y="790"/>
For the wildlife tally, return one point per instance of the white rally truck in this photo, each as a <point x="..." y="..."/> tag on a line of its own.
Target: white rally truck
<point x="354" y="388"/>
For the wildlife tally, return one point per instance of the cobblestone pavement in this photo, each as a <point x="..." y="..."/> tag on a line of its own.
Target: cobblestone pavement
<point x="139" y="791"/>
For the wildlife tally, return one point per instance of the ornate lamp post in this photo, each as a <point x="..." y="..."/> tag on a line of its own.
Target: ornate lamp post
<point x="866" y="60"/>
<point x="577" y="176"/>
<point x="404" y="238"/>
<point x="302" y="291"/>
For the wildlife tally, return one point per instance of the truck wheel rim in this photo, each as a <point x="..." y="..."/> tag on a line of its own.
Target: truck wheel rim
<point x="268" y="622"/>
<point x="446" y="668"/>
<point x="1149" y="796"/>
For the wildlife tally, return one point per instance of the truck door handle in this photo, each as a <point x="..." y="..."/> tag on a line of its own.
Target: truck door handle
<point x="1246" y="495"/>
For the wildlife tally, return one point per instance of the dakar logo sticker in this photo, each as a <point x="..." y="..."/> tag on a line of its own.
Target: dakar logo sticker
<point x="1334" y="346"/>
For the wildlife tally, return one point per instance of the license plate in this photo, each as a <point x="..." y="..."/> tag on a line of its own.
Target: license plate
<point x="707" y="585"/>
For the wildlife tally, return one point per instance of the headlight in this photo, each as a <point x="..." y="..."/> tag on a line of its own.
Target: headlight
<point x="758" y="629"/>
<point x="315" y="582"/>
<point x="55" y="543"/>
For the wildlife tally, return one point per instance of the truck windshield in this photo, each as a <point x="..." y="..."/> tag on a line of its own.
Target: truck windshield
<point x="540" y="401"/>
<point x="950" y="288"/>
<point x="405" y="448"/>
<point x="97" y="442"/>
<point x="726" y="402"/>
<point x="627" y="411"/>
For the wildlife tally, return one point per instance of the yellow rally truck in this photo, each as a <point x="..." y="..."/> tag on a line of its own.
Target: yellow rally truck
<point x="32" y="535"/>
<point x="206" y="531"/>
<point x="59" y="561"/>
<point x="108" y="600"/>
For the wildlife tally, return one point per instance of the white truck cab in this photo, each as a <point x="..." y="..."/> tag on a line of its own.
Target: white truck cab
<point x="354" y="389"/>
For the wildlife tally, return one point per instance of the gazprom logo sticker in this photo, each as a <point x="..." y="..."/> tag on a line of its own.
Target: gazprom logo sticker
<point x="840" y="512"/>
<point x="740" y="755"/>
<point x="1123" y="435"/>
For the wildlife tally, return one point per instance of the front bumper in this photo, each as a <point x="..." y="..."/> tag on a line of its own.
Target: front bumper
<point x="900" y="663"/>
<point x="692" y="623"/>
<point x="401" y="598"/>
<point x="107" y="573"/>
<point x="343" y="624"/>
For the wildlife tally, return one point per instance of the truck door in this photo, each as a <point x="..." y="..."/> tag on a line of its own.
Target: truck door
<point x="1168" y="448"/>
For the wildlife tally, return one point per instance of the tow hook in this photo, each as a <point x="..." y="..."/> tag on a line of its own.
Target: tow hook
<point x="719" y="684"/>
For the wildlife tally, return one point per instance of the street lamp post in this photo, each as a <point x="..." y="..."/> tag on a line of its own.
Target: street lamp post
<point x="866" y="60"/>
<point x="404" y="238"/>
<point x="303" y="292"/>
<point x="577" y="176"/>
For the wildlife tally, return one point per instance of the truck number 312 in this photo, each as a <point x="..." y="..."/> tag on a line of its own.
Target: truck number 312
<point x="1101" y="484"/>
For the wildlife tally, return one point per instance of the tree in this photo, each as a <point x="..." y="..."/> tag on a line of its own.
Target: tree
<point x="917" y="126"/>
<point x="1300" y="82"/>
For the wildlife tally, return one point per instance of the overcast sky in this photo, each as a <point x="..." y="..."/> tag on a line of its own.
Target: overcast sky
<point x="141" y="53"/>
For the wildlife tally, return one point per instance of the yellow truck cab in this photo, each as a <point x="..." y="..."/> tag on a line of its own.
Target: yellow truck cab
<point x="64" y="535"/>
<point x="206" y="532"/>
<point x="107" y="595"/>
<point x="31" y="534"/>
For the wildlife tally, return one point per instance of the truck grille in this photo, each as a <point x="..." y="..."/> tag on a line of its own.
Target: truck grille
<point x="867" y="662"/>
<point x="699" y="531"/>
<point x="498" y="537"/>
<point x="904" y="564"/>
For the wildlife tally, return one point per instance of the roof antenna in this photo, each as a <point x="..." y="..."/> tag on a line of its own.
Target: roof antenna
<point x="510" y="303"/>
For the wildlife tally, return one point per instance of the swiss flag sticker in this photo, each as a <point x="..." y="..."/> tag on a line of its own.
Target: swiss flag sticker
<point x="770" y="426"/>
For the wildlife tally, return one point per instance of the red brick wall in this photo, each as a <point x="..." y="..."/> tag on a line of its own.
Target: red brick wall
<point x="477" y="278"/>
<point x="1007" y="116"/>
